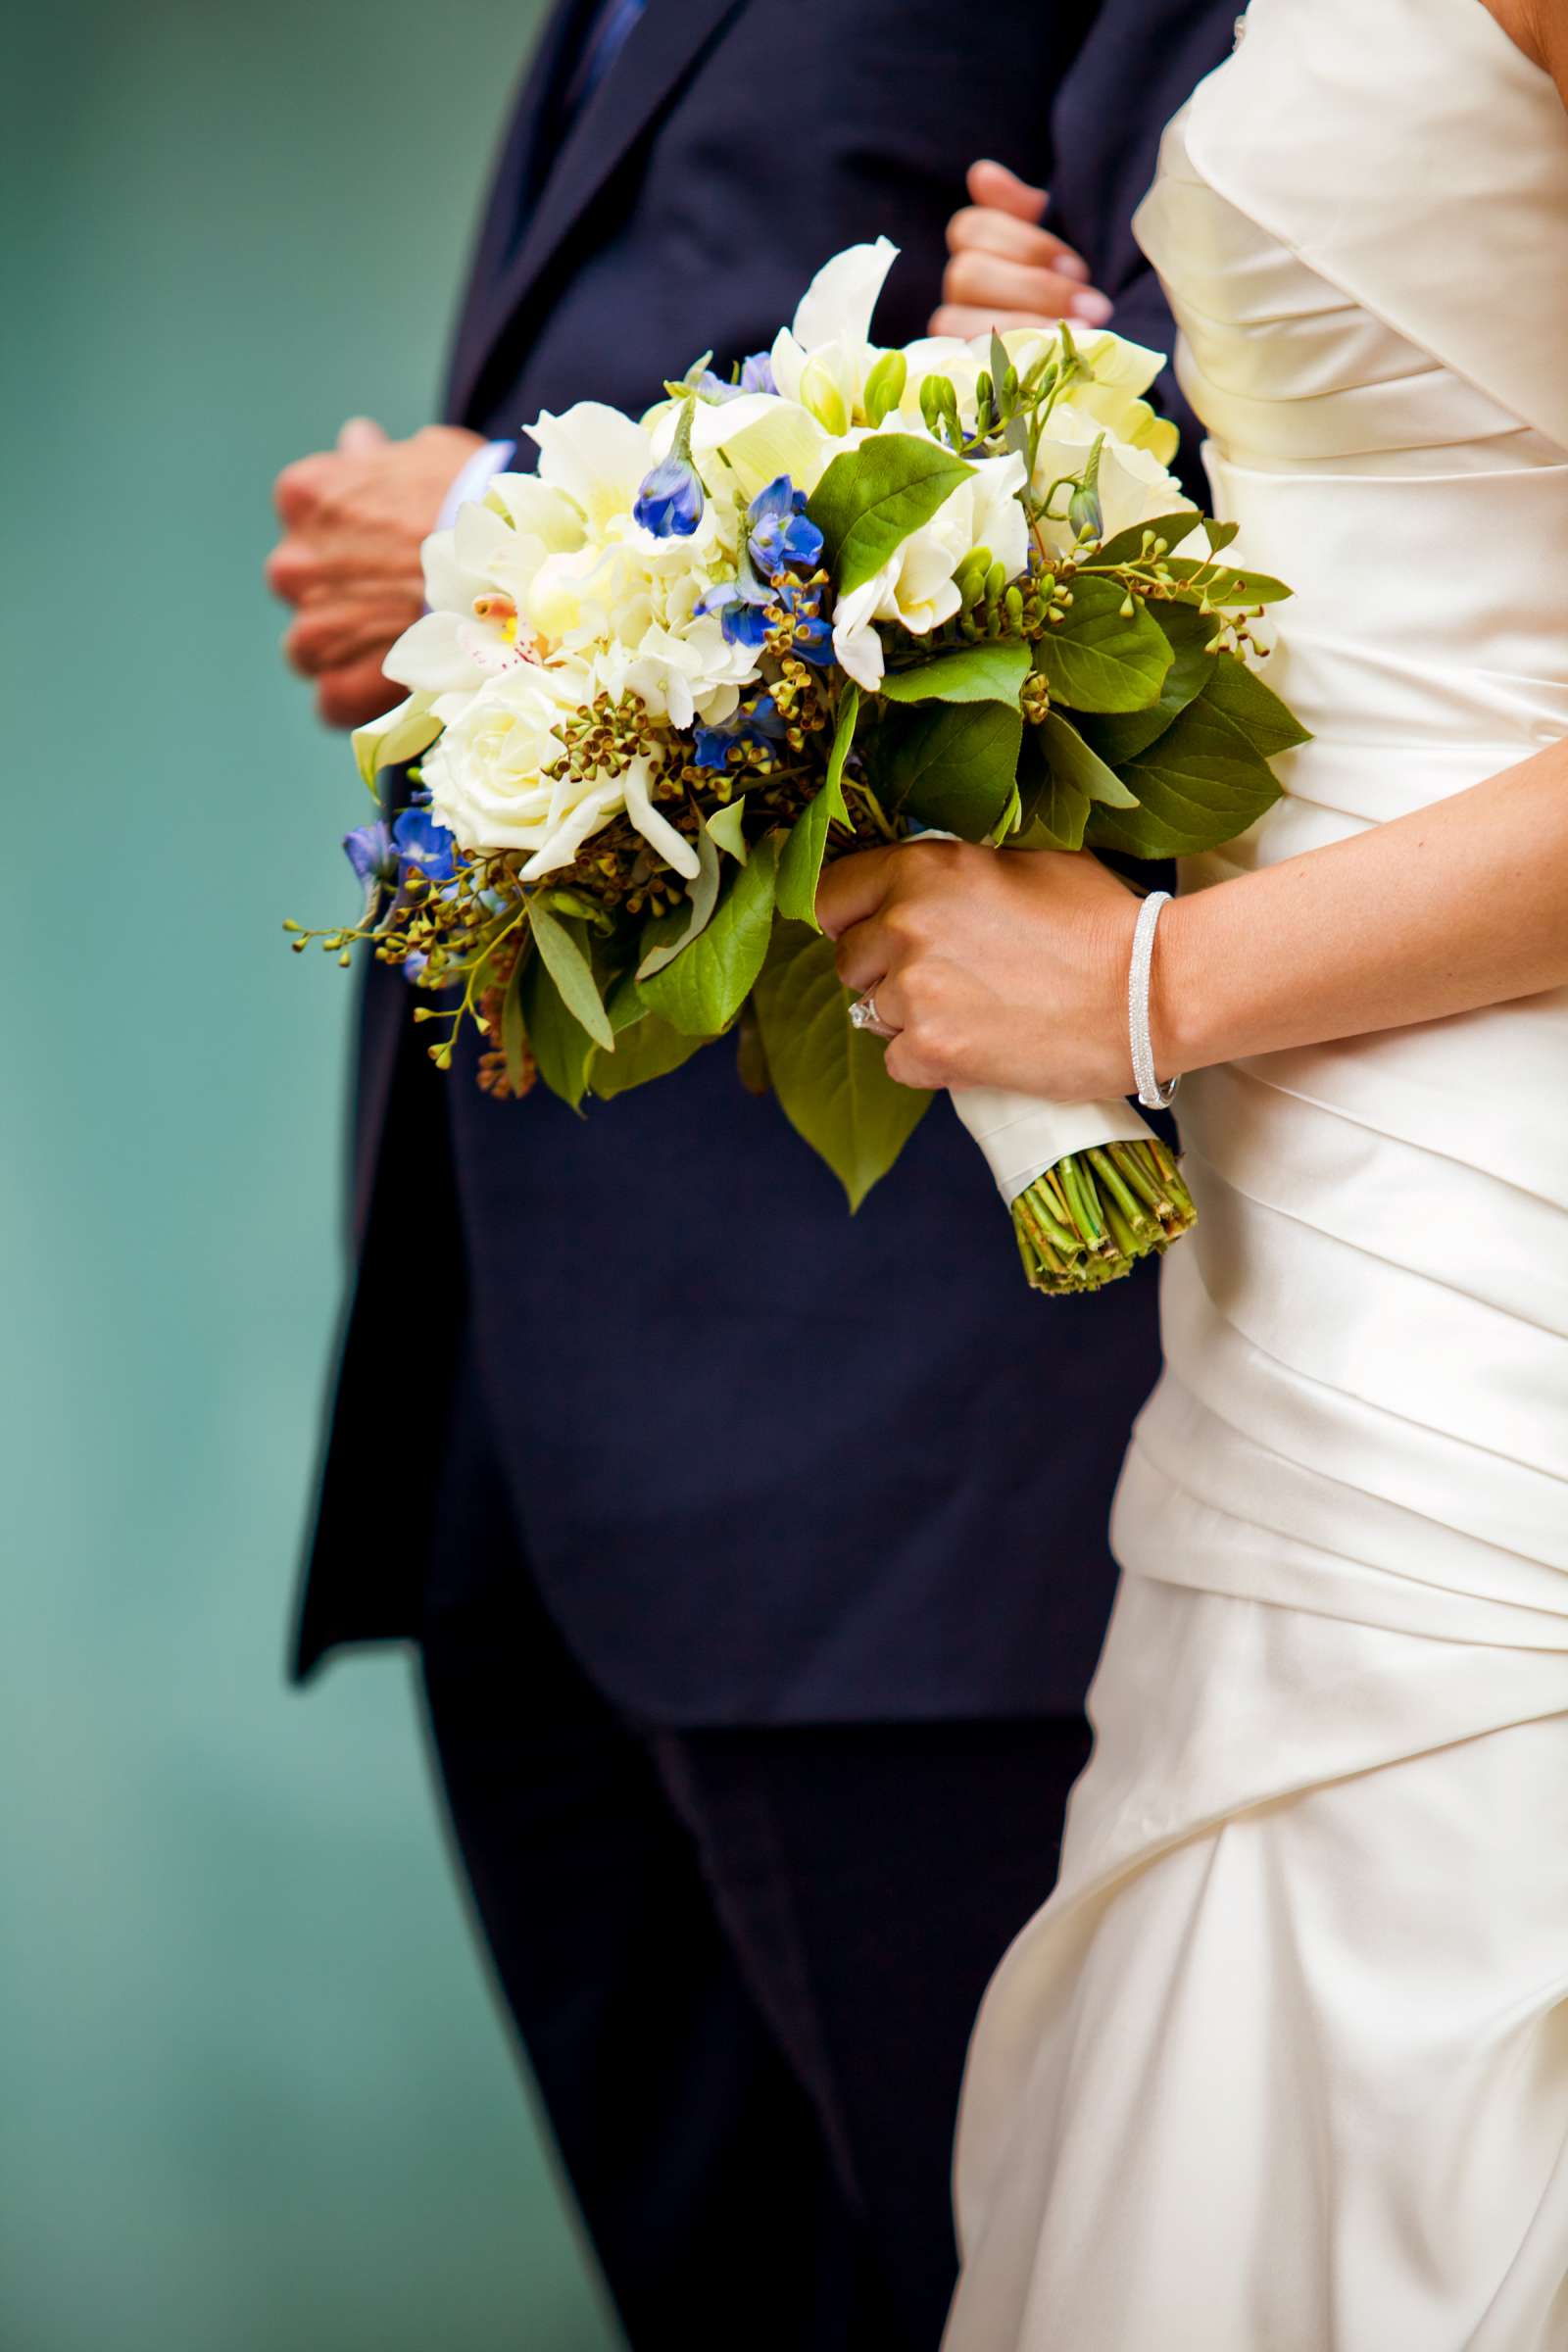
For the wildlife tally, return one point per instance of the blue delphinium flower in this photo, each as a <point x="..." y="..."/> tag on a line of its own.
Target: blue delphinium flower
<point x="779" y="530"/>
<point x="742" y="608"/>
<point x="422" y="842"/>
<point x="412" y="966"/>
<point x="778" y="534"/>
<point x="761" y="726"/>
<point x="756" y="376"/>
<point x="670" y="500"/>
<point x="369" y="850"/>
<point x="813" y="641"/>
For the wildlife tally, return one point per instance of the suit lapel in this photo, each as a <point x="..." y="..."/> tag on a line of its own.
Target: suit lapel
<point x="659" y="50"/>
<point x="517" y="170"/>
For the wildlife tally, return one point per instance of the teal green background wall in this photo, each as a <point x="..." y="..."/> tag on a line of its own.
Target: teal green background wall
<point x="251" y="2092"/>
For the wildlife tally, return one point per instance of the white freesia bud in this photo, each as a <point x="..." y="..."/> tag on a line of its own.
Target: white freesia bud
<point x="827" y="400"/>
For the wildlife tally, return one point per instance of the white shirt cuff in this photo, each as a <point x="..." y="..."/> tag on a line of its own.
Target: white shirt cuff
<point x="474" y="478"/>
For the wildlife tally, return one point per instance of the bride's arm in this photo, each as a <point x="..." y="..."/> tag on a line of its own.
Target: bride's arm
<point x="1011" y="968"/>
<point x="1463" y="902"/>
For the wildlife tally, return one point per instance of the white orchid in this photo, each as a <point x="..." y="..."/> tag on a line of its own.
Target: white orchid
<point x="474" y="576"/>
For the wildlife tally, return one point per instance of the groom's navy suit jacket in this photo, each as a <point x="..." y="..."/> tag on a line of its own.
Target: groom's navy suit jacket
<point x="771" y="1463"/>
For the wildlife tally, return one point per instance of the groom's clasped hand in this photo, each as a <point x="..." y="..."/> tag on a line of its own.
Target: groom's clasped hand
<point x="1005" y="270"/>
<point x="354" y="519"/>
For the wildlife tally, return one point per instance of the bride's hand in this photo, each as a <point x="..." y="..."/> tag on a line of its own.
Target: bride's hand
<point x="997" y="968"/>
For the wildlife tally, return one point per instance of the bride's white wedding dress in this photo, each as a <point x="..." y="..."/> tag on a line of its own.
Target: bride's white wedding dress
<point x="1282" y="2065"/>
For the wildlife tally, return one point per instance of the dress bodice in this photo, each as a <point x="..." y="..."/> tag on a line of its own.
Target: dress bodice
<point x="1357" y="220"/>
<point x="1360" y="221"/>
<point x="1288" y="370"/>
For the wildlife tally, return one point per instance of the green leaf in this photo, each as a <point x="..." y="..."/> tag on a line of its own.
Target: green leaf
<point x="1200" y="785"/>
<point x="800" y="865"/>
<point x="972" y="673"/>
<point x="513" y="1029"/>
<point x="831" y="1079"/>
<point x="667" y="934"/>
<point x="953" y="767"/>
<point x="871" y="498"/>
<point x="1097" y="661"/>
<point x="1122" y="735"/>
<point x="1224" y="587"/>
<point x="1075" y="774"/>
<point x="1127" y="546"/>
<point x="568" y="965"/>
<point x="623" y="998"/>
<point x="647" y="1049"/>
<point x="1056" y="810"/>
<point x="562" y="1046"/>
<point x="1269" y="725"/>
<point x="703" y="990"/>
<point x="726" y="828"/>
<point x="1008" y="822"/>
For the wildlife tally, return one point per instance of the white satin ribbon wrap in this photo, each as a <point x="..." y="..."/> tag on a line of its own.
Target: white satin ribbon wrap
<point x="1022" y="1136"/>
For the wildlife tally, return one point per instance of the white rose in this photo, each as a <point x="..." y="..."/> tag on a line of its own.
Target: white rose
<point x="497" y="776"/>
<point x="1134" y="486"/>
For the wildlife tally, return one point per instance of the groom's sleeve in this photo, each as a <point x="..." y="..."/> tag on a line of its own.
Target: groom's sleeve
<point x="1141" y="63"/>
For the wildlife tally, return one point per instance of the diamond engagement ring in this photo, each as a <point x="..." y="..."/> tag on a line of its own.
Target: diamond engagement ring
<point x="863" y="1014"/>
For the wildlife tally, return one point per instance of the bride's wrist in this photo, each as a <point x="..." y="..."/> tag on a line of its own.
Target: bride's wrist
<point x="1181" y="990"/>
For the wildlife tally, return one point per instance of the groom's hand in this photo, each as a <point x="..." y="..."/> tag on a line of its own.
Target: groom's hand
<point x="348" y="562"/>
<point x="1004" y="270"/>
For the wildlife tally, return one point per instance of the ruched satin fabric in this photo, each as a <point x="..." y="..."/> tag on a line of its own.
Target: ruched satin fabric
<point x="1282" y="2065"/>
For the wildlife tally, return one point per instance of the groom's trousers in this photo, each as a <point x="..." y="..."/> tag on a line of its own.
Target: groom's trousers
<point x="742" y="1963"/>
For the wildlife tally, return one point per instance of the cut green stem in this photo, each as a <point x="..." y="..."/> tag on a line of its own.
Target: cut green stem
<point x="1087" y="1220"/>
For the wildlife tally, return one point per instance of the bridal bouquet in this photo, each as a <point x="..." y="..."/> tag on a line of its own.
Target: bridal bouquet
<point x="852" y="595"/>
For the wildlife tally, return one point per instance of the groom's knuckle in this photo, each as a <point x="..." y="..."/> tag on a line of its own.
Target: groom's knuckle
<point x="297" y="491"/>
<point x="302" y="650"/>
<point x="288" y="571"/>
<point x="966" y="278"/>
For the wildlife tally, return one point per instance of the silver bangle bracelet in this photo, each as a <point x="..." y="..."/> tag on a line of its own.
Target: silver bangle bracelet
<point x="1151" y="1094"/>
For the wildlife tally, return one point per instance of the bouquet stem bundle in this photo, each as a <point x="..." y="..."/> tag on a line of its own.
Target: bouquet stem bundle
<point x="1086" y="1220"/>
